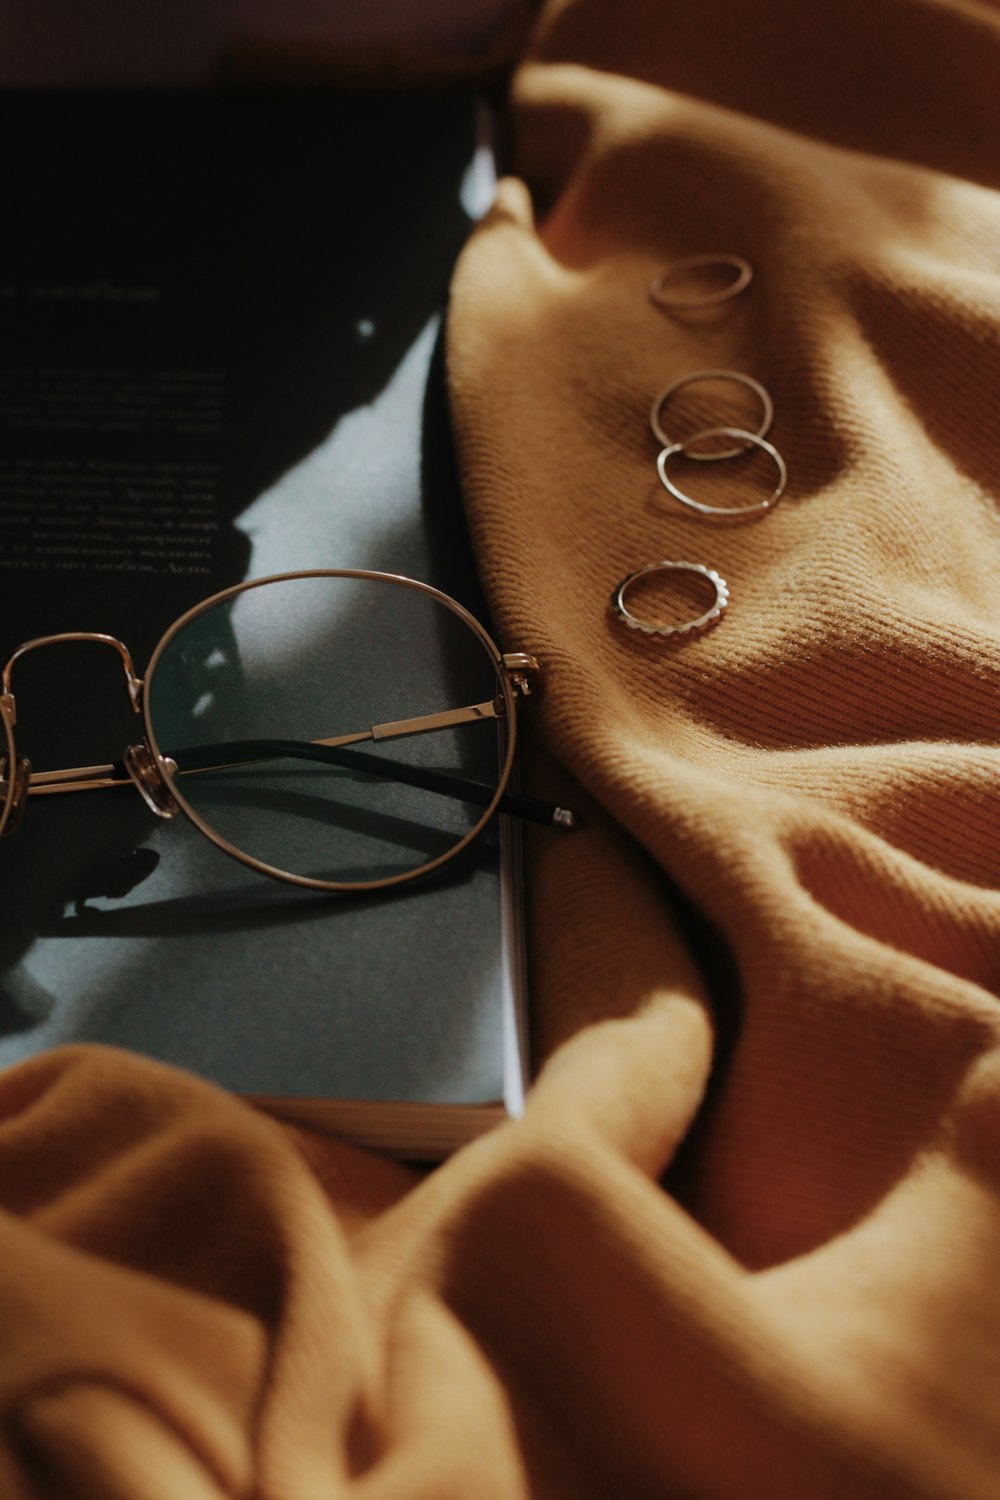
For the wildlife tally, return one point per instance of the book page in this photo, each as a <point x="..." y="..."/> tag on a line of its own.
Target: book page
<point x="222" y="360"/>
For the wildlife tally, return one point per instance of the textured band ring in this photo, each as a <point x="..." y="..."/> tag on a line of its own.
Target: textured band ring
<point x="749" y="438"/>
<point x="661" y="294"/>
<point x="719" y="585"/>
<point x="761" y="392"/>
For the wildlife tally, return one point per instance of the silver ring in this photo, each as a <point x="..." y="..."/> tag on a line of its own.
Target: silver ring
<point x="724" y="510"/>
<point x="711" y="614"/>
<point x="659" y="290"/>
<point x="767" y="407"/>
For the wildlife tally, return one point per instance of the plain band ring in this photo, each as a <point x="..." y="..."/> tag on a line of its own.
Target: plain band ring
<point x="700" y="506"/>
<point x="659" y="290"/>
<point x="711" y="614"/>
<point x="760" y="391"/>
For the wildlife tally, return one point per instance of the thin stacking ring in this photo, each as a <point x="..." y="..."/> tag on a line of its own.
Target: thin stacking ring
<point x="660" y="293"/>
<point x="767" y="409"/>
<point x="724" y="510"/>
<point x="711" y="614"/>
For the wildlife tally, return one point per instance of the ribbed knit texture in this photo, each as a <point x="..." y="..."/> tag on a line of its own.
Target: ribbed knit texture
<point x="745" y="1243"/>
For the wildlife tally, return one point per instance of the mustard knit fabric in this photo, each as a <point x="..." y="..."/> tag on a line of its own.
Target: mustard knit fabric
<point x="745" y="1243"/>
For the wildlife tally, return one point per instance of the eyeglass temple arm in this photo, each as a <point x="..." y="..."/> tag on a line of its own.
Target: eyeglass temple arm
<point x="331" y="752"/>
<point x="97" y="778"/>
<point x="245" y="752"/>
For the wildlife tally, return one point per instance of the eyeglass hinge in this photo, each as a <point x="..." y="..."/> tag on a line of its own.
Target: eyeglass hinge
<point x="524" y="672"/>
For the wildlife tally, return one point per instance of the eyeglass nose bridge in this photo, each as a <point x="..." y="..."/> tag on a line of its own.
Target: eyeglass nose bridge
<point x="133" y="681"/>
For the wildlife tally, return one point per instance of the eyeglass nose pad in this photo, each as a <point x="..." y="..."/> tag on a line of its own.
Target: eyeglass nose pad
<point x="147" y="776"/>
<point x="18" y="790"/>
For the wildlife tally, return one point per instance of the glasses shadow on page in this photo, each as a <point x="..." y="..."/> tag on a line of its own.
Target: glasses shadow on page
<point x="235" y="909"/>
<point x="369" y="823"/>
<point x="64" y="888"/>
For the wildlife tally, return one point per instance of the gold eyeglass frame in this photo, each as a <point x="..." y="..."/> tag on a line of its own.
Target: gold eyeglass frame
<point x="156" y="775"/>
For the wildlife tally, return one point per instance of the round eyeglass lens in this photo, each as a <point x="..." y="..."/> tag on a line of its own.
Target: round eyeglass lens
<point x="8" y="766"/>
<point x="341" y="729"/>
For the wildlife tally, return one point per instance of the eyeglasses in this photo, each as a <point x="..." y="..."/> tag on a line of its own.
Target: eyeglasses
<point x="255" y="701"/>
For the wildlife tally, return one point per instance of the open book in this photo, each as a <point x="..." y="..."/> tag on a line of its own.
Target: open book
<point x="220" y="360"/>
